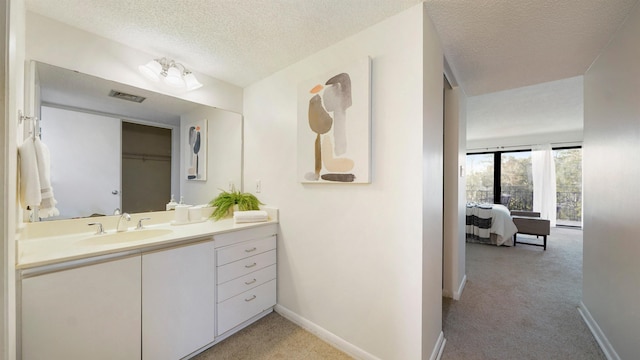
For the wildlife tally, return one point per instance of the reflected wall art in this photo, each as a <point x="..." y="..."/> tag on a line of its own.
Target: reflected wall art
<point x="334" y="126"/>
<point x="194" y="143"/>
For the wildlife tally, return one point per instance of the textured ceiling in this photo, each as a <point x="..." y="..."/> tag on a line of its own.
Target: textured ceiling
<point x="495" y="45"/>
<point x="238" y="41"/>
<point x="551" y="107"/>
<point x="492" y="45"/>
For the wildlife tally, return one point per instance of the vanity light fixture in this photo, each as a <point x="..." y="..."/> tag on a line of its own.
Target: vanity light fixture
<point x="171" y="73"/>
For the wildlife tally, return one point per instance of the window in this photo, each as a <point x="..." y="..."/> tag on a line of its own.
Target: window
<point x="480" y="178"/>
<point x="516" y="184"/>
<point x="513" y="172"/>
<point x="568" y="185"/>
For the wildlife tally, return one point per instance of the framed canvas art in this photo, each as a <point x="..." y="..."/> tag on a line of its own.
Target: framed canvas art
<point x="194" y="135"/>
<point x="334" y="126"/>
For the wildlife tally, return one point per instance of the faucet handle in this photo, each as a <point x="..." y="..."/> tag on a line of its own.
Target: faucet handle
<point x="100" y="230"/>
<point x="139" y="227"/>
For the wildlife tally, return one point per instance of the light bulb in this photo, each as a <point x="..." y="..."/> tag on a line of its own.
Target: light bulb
<point x="191" y="82"/>
<point x="174" y="77"/>
<point x="151" y="70"/>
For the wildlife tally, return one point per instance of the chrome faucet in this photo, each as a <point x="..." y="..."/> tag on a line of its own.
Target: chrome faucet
<point x="125" y="216"/>
<point x="100" y="230"/>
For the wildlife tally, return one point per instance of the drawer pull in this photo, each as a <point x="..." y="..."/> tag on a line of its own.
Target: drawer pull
<point x="250" y="266"/>
<point x="250" y="282"/>
<point x="250" y="299"/>
<point x="251" y="250"/>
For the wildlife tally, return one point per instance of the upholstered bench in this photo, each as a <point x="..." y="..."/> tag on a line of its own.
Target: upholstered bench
<point x="530" y="223"/>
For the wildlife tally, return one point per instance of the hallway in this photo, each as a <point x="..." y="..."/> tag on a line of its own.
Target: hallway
<point x="521" y="303"/>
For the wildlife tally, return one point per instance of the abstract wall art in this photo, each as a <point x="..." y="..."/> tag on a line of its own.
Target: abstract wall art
<point x="334" y="126"/>
<point x="194" y="144"/>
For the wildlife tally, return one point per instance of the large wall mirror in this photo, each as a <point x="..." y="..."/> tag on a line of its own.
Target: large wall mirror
<point x="114" y="146"/>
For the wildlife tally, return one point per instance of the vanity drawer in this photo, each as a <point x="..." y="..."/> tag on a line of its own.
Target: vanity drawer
<point x="242" y="307"/>
<point x="244" y="283"/>
<point x="245" y="249"/>
<point x="245" y="266"/>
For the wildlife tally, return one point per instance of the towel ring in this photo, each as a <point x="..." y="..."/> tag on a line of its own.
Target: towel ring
<point x="22" y="117"/>
<point x="35" y="127"/>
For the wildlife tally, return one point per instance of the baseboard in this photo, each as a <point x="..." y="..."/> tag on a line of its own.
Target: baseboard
<point x="325" y="335"/>
<point x="605" y="345"/>
<point x="436" y="354"/>
<point x="457" y="294"/>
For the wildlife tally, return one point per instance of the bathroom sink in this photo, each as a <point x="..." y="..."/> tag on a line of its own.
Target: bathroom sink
<point x="127" y="236"/>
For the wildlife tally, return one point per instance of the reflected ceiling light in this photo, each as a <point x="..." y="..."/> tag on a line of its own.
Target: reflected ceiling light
<point x="171" y="73"/>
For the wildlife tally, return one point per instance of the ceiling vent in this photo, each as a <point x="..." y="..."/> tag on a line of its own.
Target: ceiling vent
<point x="125" y="96"/>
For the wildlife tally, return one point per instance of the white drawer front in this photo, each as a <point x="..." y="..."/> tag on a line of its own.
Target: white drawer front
<point x="244" y="283"/>
<point x="245" y="249"/>
<point x="233" y="237"/>
<point x="245" y="266"/>
<point x="242" y="307"/>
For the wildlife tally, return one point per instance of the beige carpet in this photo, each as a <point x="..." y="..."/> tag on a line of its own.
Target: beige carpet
<point x="518" y="303"/>
<point x="521" y="303"/>
<point x="272" y="337"/>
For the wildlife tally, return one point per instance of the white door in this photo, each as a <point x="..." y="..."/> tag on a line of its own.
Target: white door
<point x="85" y="161"/>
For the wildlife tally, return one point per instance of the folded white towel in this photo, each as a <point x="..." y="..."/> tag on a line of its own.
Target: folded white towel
<point x="35" y="182"/>
<point x="250" y="216"/>
<point x="30" y="195"/>
<point x="48" y="204"/>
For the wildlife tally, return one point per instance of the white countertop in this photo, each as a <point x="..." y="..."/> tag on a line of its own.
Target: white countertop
<point x="35" y="250"/>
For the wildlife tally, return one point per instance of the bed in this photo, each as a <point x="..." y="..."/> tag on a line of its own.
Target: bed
<point x="489" y="224"/>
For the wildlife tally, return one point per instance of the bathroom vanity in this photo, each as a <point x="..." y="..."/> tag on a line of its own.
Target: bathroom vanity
<point x="167" y="295"/>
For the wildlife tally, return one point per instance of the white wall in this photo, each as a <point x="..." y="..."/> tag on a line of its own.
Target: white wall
<point x="454" y="192"/>
<point x="611" y="197"/>
<point x="55" y="43"/>
<point x="351" y="257"/>
<point x="432" y="188"/>
<point x="14" y="82"/>
<point x="224" y="155"/>
<point x="4" y="39"/>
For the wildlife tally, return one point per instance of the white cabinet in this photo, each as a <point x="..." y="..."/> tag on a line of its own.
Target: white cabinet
<point x="178" y="301"/>
<point x="245" y="276"/>
<point x="89" y="312"/>
<point x="164" y="304"/>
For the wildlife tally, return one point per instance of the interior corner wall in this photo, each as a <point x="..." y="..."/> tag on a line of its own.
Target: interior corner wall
<point x="611" y="173"/>
<point x="58" y="44"/>
<point x="454" y="192"/>
<point x="350" y="256"/>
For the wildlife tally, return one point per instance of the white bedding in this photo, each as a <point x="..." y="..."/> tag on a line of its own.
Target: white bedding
<point x="501" y="229"/>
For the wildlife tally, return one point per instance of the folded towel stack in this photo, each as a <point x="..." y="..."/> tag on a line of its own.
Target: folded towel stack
<point x="250" y="216"/>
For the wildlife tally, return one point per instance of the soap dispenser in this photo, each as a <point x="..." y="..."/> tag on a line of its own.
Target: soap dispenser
<point x="172" y="204"/>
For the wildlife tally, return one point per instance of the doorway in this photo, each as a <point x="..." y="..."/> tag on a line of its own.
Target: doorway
<point x="146" y="167"/>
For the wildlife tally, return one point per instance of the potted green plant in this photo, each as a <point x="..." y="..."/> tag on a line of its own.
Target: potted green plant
<point x="226" y="200"/>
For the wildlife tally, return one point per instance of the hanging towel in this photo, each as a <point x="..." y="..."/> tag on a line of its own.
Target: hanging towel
<point x="30" y="195"/>
<point x="35" y="182"/>
<point x="250" y="216"/>
<point x="48" y="203"/>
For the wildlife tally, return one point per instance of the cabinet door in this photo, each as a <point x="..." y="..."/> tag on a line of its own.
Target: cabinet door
<point x="91" y="312"/>
<point x="178" y="301"/>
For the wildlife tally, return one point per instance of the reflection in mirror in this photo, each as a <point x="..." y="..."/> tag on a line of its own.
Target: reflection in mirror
<point x="111" y="153"/>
